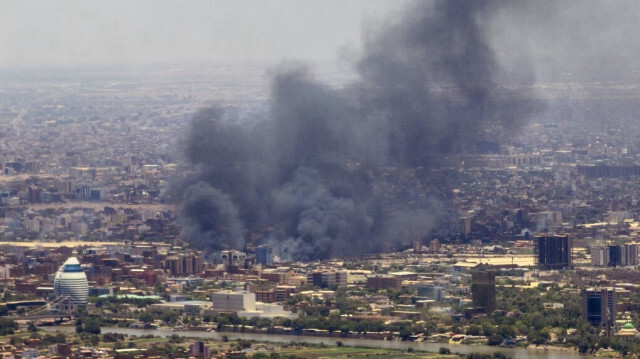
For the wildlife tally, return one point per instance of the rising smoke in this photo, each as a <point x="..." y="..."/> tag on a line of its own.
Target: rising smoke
<point x="309" y="180"/>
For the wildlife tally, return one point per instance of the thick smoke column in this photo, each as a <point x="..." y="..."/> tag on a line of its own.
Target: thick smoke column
<point x="434" y="76"/>
<point x="309" y="181"/>
<point x="210" y="215"/>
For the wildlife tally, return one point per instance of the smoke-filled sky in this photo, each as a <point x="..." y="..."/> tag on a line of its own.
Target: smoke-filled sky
<point x="311" y="180"/>
<point x="551" y="36"/>
<point x="107" y="32"/>
<point x="314" y="179"/>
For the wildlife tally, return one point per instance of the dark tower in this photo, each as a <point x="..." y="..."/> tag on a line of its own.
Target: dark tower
<point x="483" y="290"/>
<point x="599" y="306"/>
<point x="615" y="256"/>
<point x="553" y="251"/>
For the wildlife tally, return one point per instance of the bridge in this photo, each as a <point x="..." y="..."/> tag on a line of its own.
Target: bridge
<point x="48" y="311"/>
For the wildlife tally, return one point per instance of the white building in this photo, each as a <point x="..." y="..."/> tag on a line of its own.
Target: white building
<point x="71" y="281"/>
<point x="599" y="256"/>
<point x="244" y="305"/>
<point x="228" y="301"/>
<point x="267" y="310"/>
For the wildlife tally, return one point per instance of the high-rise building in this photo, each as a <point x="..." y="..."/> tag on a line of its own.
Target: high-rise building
<point x="184" y="264"/>
<point x="599" y="256"/>
<point x="483" y="290"/>
<point x="553" y="251"/>
<point x="629" y="254"/>
<point x="264" y="255"/>
<point x="435" y="246"/>
<point x="430" y="291"/>
<point x="71" y="282"/>
<point x="615" y="256"/>
<point x="599" y="306"/>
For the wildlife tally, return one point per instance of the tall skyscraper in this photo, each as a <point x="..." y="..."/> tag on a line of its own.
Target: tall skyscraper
<point x="553" y="251"/>
<point x="599" y="256"/>
<point x="435" y="246"/>
<point x="629" y="254"/>
<point x="264" y="255"/>
<point x="615" y="256"/>
<point x="483" y="290"/>
<point x="71" y="281"/>
<point x="599" y="306"/>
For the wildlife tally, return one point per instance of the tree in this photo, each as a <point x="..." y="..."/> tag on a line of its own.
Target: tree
<point x="15" y="341"/>
<point x="474" y="330"/>
<point x="242" y="344"/>
<point x="506" y="331"/>
<point x="7" y="326"/>
<point x="146" y="317"/>
<point x="92" y="326"/>
<point x="94" y="340"/>
<point x="488" y="329"/>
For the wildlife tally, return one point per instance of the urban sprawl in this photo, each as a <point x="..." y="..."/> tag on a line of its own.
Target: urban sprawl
<point x="534" y="243"/>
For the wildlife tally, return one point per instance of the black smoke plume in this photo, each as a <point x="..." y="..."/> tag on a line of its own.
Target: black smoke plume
<point x="311" y="179"/>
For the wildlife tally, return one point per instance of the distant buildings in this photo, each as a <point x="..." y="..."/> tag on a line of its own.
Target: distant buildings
<point x="184" y="264"/>
<point x="384" y="282"/>
<point x="232" y="259"/>
<point x="483" y="290"/>
<point x="599" y="306"/>
<point x="277" y="294"/>
<point x="244" y="305"/>
<point x="327" y="279"/>
<point x="614" y="255"/>
<point x="553" y="251"/>
<point x="71" y="281"/>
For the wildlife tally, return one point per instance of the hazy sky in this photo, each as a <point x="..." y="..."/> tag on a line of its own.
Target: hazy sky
<point x="79" y="32"/>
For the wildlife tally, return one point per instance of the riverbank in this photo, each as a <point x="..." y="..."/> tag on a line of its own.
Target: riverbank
<point x="369" y="343"/>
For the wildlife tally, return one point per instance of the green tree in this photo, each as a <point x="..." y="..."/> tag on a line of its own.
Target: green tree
<point x="7" y="326"/>
<point x="92" y="326"/>
<point x="146" y="317"/>
<point x="474" y="329"/>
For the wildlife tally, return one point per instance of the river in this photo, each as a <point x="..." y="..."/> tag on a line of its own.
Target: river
<point x="371" y="343"/>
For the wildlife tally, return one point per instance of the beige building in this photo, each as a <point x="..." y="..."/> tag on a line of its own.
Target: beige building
<point x="228" y="301"/>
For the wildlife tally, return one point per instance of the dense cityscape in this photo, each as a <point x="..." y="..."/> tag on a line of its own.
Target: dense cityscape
<point x="432" y="196"/>
<point x="534" y="245"/>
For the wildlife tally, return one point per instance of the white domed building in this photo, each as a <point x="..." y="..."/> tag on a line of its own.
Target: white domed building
<point x="71" y="282"/>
